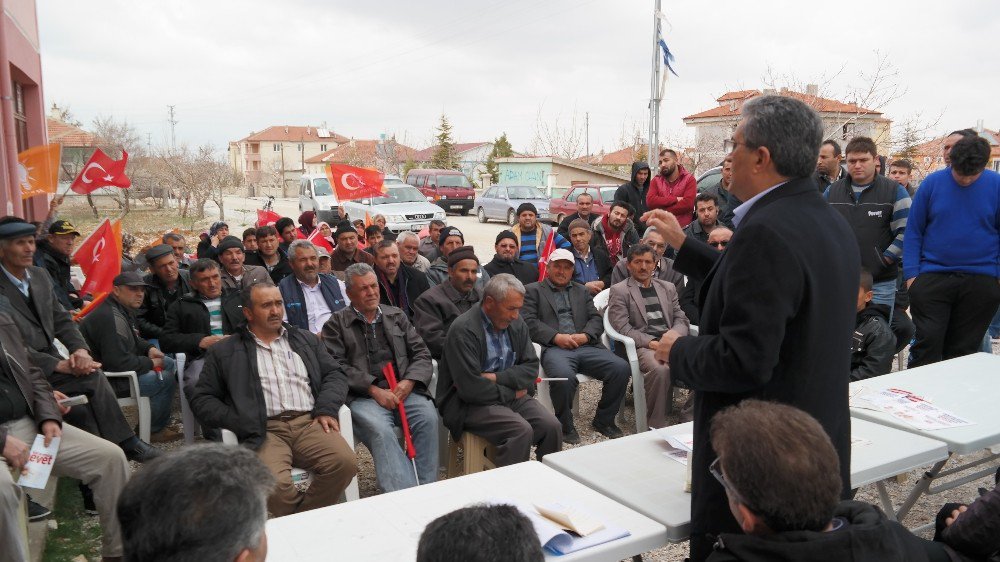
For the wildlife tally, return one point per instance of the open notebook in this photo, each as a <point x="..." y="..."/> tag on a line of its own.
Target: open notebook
<point x="566" y="528"/>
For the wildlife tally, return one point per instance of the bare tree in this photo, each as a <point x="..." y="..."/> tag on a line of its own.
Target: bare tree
<point x="113" y="137"/>
<point x="556" y="138"/>
<point x="200" y="176"/>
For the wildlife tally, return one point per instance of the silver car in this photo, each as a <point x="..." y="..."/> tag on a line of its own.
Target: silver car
<point x="500" y="202"/>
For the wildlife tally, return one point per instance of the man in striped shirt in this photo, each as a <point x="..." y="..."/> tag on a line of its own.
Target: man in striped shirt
<point x="876" y="207"/>
<point x="532" y="236"/>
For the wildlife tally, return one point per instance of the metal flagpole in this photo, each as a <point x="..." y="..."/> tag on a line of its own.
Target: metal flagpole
<point x="652" y="151"/>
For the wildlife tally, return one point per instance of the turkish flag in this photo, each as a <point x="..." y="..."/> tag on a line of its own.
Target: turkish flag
<point x="265" y="218"/>
<point x="317" y="239"/>
<point x="101" y="171"/>
<point x="100" y="258"/>
<point x="352" y="183"/>
<point x="543" y="259"/>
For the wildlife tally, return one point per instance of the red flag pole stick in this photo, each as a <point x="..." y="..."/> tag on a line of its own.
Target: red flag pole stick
<point x="390" y="375"/>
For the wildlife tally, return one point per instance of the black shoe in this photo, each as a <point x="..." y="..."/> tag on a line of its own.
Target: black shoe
<point x="88" y="499"/>
<point x="37" y="512"/>
<point x="138" y="450"/>
<point x="610" y="431"/>
<point x="573" y="438"/>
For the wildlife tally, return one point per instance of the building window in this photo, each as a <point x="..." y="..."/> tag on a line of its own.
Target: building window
<point x="848" y="131"/>
<point x="322" y="148"/>
<point x="277" y="147"/>
<point x="20" y="118"/>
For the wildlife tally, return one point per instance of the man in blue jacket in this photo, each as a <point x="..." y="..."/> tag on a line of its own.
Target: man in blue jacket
<point x="310" y="297"/>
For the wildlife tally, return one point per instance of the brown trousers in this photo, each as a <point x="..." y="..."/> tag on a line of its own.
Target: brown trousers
<point x="300" y="443"/>
<point x="656" y="381"/>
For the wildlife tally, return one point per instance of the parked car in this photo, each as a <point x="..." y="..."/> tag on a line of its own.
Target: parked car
<point x="564" y="206"/>
<point x="448" y="189"/>
<point x="710" y="178"/>
<point x="404" y="207"/>
<point x="316" y="194"/>
<point x="500" y="202"/>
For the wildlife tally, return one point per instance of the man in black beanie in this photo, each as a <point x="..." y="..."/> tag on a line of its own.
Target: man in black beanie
<point x="435" y="310"/>
<point x="506" y="261"/>
<point x="236" y="275"/>
<point x="347" y="253"/>
<point x="451" y="239"/>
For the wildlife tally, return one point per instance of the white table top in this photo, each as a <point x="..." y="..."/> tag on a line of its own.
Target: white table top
<point x="968" y="386"/>
<point x="634" y="471"/>
<point x="387" y="527"/>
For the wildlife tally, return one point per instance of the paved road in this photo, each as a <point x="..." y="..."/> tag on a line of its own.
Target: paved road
<point x="241" y="212"/>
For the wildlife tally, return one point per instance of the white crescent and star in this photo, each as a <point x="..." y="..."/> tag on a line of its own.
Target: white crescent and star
<point x="83" y="176"/>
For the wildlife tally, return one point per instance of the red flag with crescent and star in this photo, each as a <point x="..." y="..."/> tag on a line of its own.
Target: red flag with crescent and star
<point x="100" y="258"/>
<point x="317" y="239"/>
<point x="102" y="171"/>
<point x="352" y="183"/>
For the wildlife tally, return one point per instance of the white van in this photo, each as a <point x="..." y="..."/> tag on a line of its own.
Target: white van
<point x="316" y="194"/>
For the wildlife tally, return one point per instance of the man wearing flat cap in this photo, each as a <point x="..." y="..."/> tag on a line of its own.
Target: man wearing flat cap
<point x="450" y="239"/>
<point x="561" y="316"/>
<point x="532" y="236"/>
<point x="437" y="308"/>
<point x="53" y="254"/>
<point x="236" y="275"/>
<point x="27" y="296"/>
<point x="347" y="253"/>
<point x="166" y="284"/>
<point x="123" y="349"/>
<point x="506" y="261"/>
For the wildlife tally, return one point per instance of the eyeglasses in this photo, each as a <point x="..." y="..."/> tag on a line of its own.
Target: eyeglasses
<point x="717" y="473"/>
<point x="730" y="145"/>
<point x="719" y="244"/>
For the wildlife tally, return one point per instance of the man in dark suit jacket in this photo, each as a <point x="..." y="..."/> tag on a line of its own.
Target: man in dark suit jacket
<point x="778" y="305"/>
<point x="562" y="318"/>
<point x="27" y="295"/>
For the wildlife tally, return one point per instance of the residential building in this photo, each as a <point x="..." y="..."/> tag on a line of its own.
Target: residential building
<point x="22" y="111"/>
<point x="471" y="158"/>
<point x="77" y="145"/>
<point x="553" y="171"/>
<point x="387" y="156"/>
<point x="273" y="160"/>
<point x="842" y="121"/>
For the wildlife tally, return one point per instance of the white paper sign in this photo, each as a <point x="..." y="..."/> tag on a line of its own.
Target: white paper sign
<point x="40" y="461"/>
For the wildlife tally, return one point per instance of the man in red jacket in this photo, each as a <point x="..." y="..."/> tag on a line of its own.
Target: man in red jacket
<point x="673" y="189"/>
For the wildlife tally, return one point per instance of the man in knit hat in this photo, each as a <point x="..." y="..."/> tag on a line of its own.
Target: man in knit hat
<point x="208" y="246"/>
<point x="347" y="253"/>
<point x="532" y="236"/>
<point x="505" y="260"/>
<point x="435" y="310"/>
<point x="450" y="239"/>
<point x="236" y="275"/>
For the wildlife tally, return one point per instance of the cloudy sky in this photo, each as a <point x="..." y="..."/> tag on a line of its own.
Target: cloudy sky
<point x="390" y="66"/>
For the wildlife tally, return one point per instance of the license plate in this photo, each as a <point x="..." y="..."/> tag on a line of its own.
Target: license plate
<point x="417" y="227"/>
<point x="458" y="206"/>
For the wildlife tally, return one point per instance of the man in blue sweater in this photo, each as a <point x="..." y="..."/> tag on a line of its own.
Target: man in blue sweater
<point x="951" y="254"/>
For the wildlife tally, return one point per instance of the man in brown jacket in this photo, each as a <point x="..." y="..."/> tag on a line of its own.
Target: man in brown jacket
<point x="366" y="336"/>
<point x="643" y="308"/>
<point x="435" y="310"/>
<point x="30" y="409"/>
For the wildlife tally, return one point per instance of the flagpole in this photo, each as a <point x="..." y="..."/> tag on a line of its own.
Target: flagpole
<point x="653" y="148"/>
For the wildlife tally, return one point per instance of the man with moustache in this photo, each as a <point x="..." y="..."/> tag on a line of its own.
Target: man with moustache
<point x="236" y="275"/>
<point x="399" y="285"/>
<point x="673" y="189"/>
<point x="437" y="308"/>
<point x="506" y="260"/>
<point x="309" y="296"/>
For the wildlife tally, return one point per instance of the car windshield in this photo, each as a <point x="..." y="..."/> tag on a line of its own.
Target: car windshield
<point x="392" y="181"/>
<point x="400" y="193"/>
<point x="453" y="181"/>
<point x="321" y="186"/>
<point x="524" y="192"/>
<point x="608" y="194"/>
<point x="558" y="192"/>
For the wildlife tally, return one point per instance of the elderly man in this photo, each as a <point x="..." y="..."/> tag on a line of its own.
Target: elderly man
<point x="409" y="251"/>
<point x="26" y="294"/>
<point x="122" y="349"/>
<point x="324" y="260"/>
<point x="532" y="236"/>
<point x="229" y="528"/>
<point x="486" y="373"/>
<point x="778" y="305"/>
<point x="269" y="255"/>
<point x="176" y="241"/>
<point x="235" y="274"/>
<point x="615" y="233"/>
<point x="690" y="292"/>
<point x="368" y="336"/>
<point x="310" y="297"/>
<point x="562" y="319"/>
<point x="593" y="266"/>
<point x="429" y="245"/>
<point x="399" y="285"/>
<point x="437" y="308"/>
<point x="53" y="255"/>
<point x="347" y="253"/>
<point x="644" y="308"/>
<point x="451" y="239"/>
<point x="664" y="269"/>
<point x="506" y="261"/>
<point x="584" y="211"/>
<point x="166" y="284"/>
<point x="29" y="409"/>
<point x="279" y="390"/>
<point x="706" y="207"/>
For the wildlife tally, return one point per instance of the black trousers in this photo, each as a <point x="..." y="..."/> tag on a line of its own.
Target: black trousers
<point x="951" y="312"/>
<point x="101" y="415"/>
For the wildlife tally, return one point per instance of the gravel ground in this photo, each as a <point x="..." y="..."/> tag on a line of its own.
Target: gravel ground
<point x="923" y="512"/>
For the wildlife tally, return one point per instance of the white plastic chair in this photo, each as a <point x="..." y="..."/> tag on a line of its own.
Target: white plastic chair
<point x="134" y="398"/>
<point x="638" y="380"/>
<point x="187" y="416"/>
<point x="346" y="431"/>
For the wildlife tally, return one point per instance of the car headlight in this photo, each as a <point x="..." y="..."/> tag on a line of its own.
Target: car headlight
<point x="439" y="215"/>
<point x="395" y="218"/>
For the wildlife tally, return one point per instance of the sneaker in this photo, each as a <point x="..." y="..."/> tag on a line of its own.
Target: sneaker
<point x="165" y="435"/>
<point x="572" y="438"/>
<point x="36" y="511"/>
<point x="610" y="430"/>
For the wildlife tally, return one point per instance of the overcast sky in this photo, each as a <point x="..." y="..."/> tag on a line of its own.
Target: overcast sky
<point x="390" y="66"/>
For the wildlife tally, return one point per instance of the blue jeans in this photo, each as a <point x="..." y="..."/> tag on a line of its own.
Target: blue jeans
<point x="159" y="388"/>
<point x="884" y="292"/>
<point x="374" y="426"/>
<point x="995" y="325"/>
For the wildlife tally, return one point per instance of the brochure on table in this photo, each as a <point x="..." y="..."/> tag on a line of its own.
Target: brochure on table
<point x="568" y="527"/>
<point x="908" y="407"/>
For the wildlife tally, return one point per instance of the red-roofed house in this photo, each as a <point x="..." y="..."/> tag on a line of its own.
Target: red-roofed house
<point x="842" y="122"/>
<point x="273" y="160"/>
<point x="387" y="156"/>
<point x="77" y="144"/>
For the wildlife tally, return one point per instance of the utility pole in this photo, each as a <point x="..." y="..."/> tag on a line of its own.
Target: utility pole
<point x="149" y="144"/>
<point x="173" y="125"/>
<point x="586" y="120"/>
<point x="652" y="153"/>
